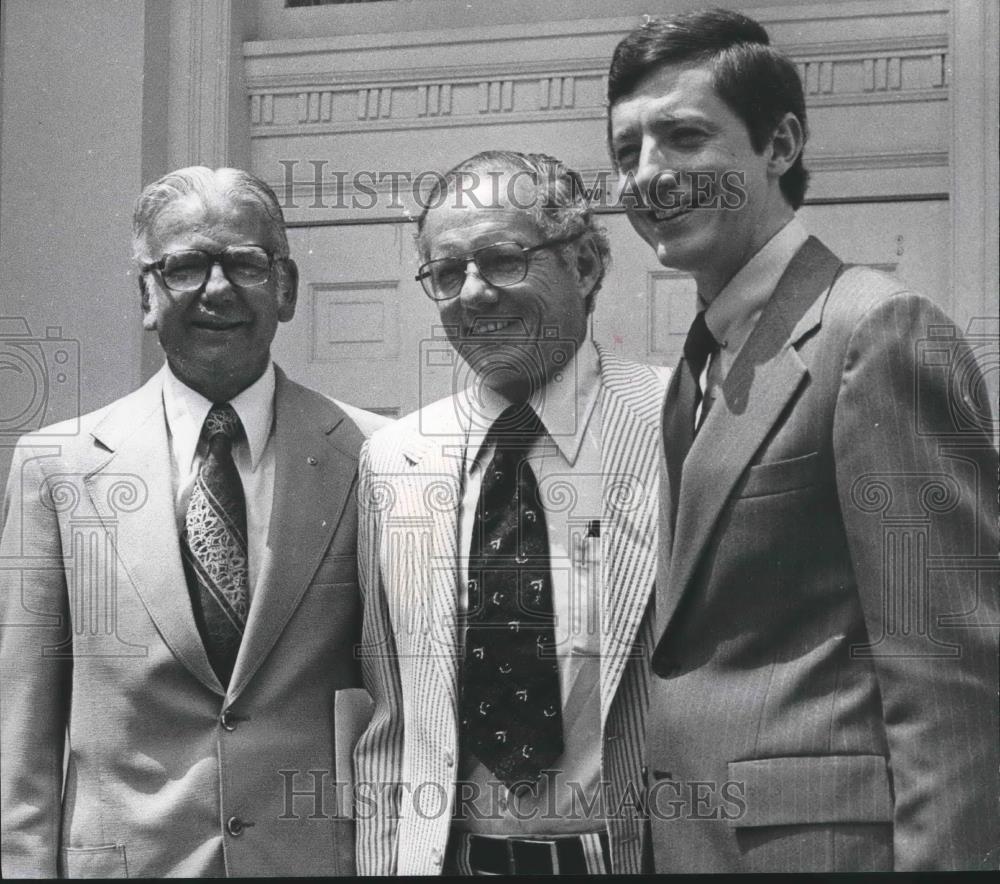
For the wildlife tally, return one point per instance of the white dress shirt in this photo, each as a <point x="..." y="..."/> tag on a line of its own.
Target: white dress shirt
<point x="566" y="461"/>
<point x="186" y="411"/>
<point x="734" y="312"/>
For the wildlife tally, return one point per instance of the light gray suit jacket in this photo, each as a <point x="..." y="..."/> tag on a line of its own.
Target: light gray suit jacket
<point x="409" y="496"/>
<point x="98" y="641"/>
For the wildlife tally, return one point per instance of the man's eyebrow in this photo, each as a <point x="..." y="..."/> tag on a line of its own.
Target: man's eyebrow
<point x="622" y="135"/>
<point x="675" y="116"/>
<point x="662" y="118"/>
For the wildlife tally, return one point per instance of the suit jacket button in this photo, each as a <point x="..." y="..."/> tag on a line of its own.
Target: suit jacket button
<point x="228" y="720"/>
<point x="234" y="825"/>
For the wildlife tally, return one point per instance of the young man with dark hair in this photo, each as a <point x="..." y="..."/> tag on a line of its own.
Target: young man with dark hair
<point x="825" y="690"/>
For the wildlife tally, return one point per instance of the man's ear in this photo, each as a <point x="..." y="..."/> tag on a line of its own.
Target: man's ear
<point x="786" y="145"/>
<point x="148" y="314"/>
<point x="589" y="266"/>
<point x="288" y="289"/>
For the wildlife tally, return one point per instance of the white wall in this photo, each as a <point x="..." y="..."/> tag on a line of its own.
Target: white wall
<point x="74" y="150"/>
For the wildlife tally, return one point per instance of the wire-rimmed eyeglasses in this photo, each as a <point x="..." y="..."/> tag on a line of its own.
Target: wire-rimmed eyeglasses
<point x="500" y="264"/>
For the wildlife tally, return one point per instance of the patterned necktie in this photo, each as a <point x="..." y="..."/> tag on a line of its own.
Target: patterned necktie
<point x="682" y="403"/>
<point x="511" y="714"/>
<point x="214" y="545"/>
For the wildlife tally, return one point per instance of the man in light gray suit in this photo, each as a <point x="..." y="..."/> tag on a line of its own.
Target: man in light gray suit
<point x="178" y="583"/>
<point x="825" y="695"/>
<point x="507" y="553"/>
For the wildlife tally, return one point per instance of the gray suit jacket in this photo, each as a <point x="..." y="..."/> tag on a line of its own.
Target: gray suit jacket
<point x="98" y="640"/>
<point x="827" y="609"/>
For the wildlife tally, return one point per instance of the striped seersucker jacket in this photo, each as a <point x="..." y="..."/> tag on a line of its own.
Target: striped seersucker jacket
<point x="409" y="491"/>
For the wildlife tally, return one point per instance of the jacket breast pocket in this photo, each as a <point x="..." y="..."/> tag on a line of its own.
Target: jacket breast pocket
<point x="106" y="861"/>
<point x="337" y="569"/>
<point x="780" y="476"/>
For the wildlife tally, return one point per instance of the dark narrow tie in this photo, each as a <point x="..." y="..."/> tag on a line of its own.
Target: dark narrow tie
<point x="214" y="545"/>
<point x="511" y="714"/>
<point x="682" y="403"/>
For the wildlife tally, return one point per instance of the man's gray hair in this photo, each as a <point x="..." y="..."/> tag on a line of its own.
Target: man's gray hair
<point x="560" y="204"/>
<point x="206" y="184"/>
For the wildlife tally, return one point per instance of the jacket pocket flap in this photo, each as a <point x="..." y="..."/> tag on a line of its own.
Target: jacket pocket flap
<point x="781" y="475"/>
<point x="106" y="861"/>
<point x="813" y="789"/>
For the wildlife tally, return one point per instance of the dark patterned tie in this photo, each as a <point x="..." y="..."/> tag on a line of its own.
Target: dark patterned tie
<point x="214" y="545"/>
<point x="682" y="403"/>
<point x="511" y="714"/>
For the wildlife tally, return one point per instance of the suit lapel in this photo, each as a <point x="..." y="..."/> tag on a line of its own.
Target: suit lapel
<point x="438" y="481"/>
<point x="442" y="600"/>
<point x="765" y="376"/>
<point x="666" y="499"/>
<point x="631" y="396"/>
<point x="132" y="491"/>
<point x="315" y="471"/>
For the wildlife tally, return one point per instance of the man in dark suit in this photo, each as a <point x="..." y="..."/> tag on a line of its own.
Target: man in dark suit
<point x="178" y="591"/>
<point x="826" y="605"/>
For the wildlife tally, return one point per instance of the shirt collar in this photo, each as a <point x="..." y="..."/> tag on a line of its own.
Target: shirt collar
<point x="564" y="405"/>
<point x="187" y="409"/>
<point x="734" y="311"/>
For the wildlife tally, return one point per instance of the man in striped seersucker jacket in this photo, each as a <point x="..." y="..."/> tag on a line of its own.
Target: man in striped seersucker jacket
<point x="507" y="554"/>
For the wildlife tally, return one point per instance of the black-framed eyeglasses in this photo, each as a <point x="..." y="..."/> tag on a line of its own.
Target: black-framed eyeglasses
<point x="501" y="264"/>
<point x="188" y="270"/>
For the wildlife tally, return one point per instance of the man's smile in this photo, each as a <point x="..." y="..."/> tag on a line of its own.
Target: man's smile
<point x="661" y="215"/>
<point x="216" y="323"/>
<point x="485" y="326"/>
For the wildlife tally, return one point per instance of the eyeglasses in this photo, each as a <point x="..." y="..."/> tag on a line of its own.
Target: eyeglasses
<point x="501" y="264"/>
<point x="188" y="270"/>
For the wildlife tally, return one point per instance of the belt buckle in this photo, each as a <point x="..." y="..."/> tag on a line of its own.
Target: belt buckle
<point x="540" y="842"/>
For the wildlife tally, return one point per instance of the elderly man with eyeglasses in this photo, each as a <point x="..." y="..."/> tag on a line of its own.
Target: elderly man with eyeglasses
<point x="178" y="597"/>
<point x="507" y="552"/>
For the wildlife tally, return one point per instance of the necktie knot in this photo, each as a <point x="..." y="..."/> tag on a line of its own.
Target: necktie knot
<point x="699" y="344"/>
<point x="222" y="420"/>
<point x="516" y="428"/>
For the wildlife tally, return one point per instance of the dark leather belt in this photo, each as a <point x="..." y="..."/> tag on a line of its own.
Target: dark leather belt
<point x="565" y="855"/>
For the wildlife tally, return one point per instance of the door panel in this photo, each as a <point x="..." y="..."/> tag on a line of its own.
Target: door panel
<point x="360" y="315"/>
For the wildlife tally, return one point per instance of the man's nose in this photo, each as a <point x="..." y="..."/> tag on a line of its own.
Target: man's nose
<point x="656" y="179"/>
<point x="217" y="285"/>
<point x="476" y="290"/>
<point x="654" y="168"/>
